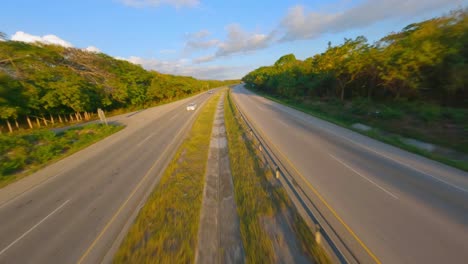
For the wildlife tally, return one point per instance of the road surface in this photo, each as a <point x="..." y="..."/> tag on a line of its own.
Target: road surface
<point x="74" y="210"/>
<point x="397" y="207"/>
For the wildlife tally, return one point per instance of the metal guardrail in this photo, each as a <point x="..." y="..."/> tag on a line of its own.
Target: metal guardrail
<point x="325" y="234"/>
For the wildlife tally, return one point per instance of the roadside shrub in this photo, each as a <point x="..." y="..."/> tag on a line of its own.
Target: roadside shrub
<point x="389" y="113"/>
<point x="11" y="165"/>
<point x="429" y="112"/>
<point x="360" y="106"/>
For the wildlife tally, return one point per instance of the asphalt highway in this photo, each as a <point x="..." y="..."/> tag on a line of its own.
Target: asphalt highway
<point x="75" y="210"/>
<point x="394" y="206"/>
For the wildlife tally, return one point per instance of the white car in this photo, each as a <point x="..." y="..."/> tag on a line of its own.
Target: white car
<point x="191" y="107"/>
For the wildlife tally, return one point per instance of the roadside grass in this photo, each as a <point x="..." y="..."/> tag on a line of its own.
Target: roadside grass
<point x="166" y="228"/>
<point x="257" y="198"/>
<point x="443" y="126"/>
<point x="24" y="153"/>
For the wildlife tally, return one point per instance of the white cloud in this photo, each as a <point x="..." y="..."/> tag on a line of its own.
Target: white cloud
<point x="204" y="59"/>
<point x="199" y="34"/>
<point x="300" y="24"/>
<point x="201" y="44"/>
<point x="239" y="40"/>
<point x="199" y="41"/>
<point x="92" y="49"/>
<point x="155" y="3"/>
<point x="167" y="51"/>
<point x="46" y="39"/>
<point x="183" y="67"/>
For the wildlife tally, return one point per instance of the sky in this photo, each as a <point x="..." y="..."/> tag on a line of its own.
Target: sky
<point x="210" y="39"/>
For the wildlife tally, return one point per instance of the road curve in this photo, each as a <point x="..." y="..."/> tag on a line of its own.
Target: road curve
<point x="74" y="210"/>
<point x="402" y="207"/>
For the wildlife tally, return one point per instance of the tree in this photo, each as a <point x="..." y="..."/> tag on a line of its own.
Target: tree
<point x="426" y="60"/>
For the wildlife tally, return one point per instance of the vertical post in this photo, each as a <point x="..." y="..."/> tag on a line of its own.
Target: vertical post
<point x="44" y="120"/>
<point x="38" y="122"/>
<point x="71" y="118"/>
<point x="260" y="147"/>
<point x="318" y="235"/>
<point x="16" y="124"/>
<point x="52" y="119"/>
<point x="29" y="122"/>
<point x="9" y="126"/>
<point x="277" y="172"/>
<point x="102" y="116"/>
<point x="60" y="119"/>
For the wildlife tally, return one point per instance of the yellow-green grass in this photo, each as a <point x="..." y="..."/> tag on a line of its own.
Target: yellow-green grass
<point x="24" y="153"/>
<point x="257" y="198"/>
<point x="166" y="228"/>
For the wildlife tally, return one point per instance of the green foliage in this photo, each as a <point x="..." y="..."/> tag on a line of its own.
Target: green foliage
<point x="425" y="61"/>
<point x="38" y="79"/>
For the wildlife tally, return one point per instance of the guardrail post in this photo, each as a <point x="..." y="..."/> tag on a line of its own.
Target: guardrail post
<point x="260" y="147"/>
<point x="318" y="235"/>
<point x="277" y="172"/>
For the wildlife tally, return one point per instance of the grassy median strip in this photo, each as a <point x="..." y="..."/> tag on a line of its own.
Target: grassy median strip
<point x="23" y="153"/>
<point x="257" y="198"/>
<point x="165" y="231"/>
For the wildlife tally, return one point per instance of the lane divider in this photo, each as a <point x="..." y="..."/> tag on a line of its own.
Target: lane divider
<point x="366" y="178"/>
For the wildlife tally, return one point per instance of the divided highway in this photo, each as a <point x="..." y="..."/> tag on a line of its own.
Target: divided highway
<point x="393" y="206"/>
<point x="74" y="210"/>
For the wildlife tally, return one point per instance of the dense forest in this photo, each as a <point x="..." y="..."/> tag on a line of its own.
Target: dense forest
<point x="38" y="80"/>
<point x="424" y="61"/>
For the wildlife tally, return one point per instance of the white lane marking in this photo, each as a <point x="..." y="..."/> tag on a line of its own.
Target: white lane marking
<point x="32" y="228"/>
<point x="261" y="108"/>
<point x="174" y="116"/>
<point x="143" y="141"/>
<point x="369" y="180"/>
<point x="375" y="151"/>
<point x="282" y="122"/>
<point x="405" y="165"/>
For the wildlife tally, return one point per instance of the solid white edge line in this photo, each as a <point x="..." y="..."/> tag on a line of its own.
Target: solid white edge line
<point x="148" y="137"/>
<point x="174" y="116"/>
<point x="32" y="228"/>
<point x="369" y="180"/>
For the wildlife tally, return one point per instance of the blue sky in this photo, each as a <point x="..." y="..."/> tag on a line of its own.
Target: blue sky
<point x="210" y="39"/>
